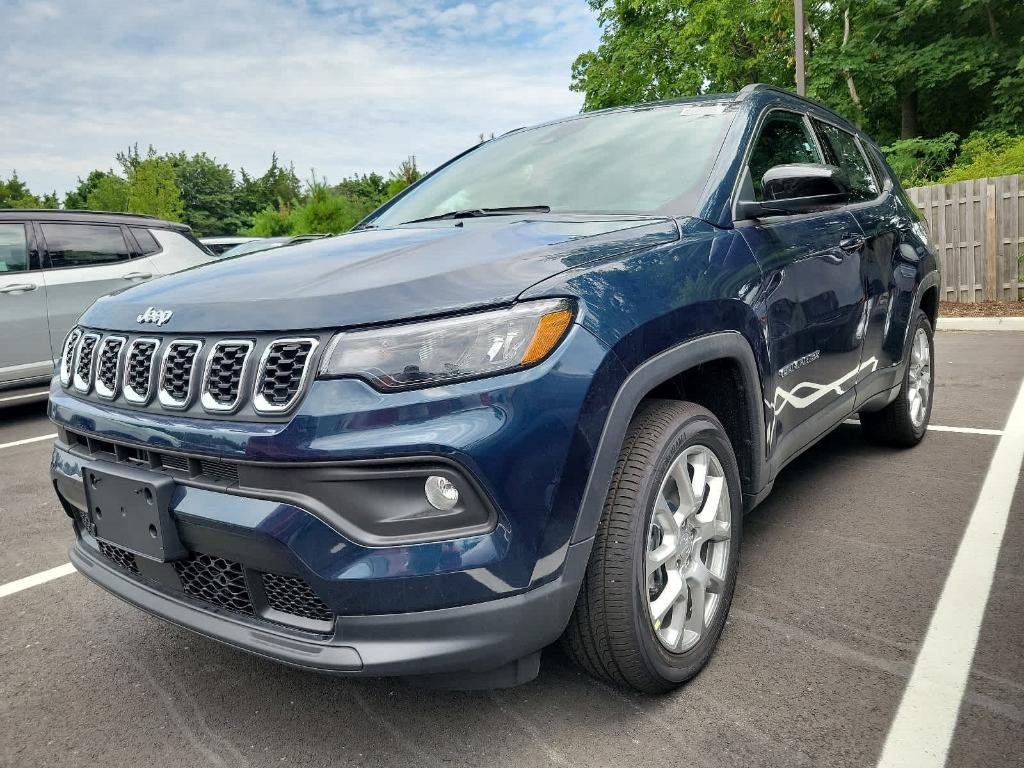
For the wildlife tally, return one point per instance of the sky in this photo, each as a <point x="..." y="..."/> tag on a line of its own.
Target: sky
<point x="339" y="86"/>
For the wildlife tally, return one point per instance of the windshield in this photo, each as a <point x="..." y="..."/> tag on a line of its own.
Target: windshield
<point x="645" y="160"/>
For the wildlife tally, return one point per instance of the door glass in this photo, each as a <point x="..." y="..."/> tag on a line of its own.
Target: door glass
<point x="146" y="241"/>
<point x="843" y="151"/>
<point x="783" y="139"/>
<point x="13" y="248"/>
<point x="84" y="245"/>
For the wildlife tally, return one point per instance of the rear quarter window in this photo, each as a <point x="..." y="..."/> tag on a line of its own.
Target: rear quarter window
<point x="147" y="243"/>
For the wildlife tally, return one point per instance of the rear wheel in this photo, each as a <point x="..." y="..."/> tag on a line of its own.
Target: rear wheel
<point x="905" y="420"/>
<point x="663" y="568"/>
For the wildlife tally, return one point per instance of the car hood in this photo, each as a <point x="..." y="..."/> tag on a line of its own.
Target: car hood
<point x="375" y="276"/>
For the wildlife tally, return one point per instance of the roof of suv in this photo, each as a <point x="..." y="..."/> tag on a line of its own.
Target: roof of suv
<point x="86" y="217"/>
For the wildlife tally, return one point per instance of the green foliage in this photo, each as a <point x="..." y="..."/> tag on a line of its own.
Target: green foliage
<point x="272" y="222"/>
<point x="153" y="188"/>
<point x="900" y="68"/>
<point x="657" y="49"/>
<point x="14" y="193"/>
<point x="207" y="194"/>
<point x="109" y="193"/>
<point x="919" y="161"/>
<point x="989" y="154"/>
<point x="276" y="188"/>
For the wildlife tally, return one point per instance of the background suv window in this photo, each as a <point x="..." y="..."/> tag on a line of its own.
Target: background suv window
<point x="13" y="248"/>
<point x="842" y="150"/>
<point x="84" y="245"/>
<point x="783" y="139"/>
<point x="147" y="243"/>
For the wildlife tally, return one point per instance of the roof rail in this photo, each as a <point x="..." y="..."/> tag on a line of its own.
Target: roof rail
<point x="78" y="211"/>
<point x="747" y="90"/>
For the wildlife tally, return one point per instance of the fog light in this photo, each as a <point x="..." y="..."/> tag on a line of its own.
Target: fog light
<point x="441" y="493"/>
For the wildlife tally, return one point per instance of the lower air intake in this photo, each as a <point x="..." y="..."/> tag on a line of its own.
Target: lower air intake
<point x="216" y="580"/>
<point x="290" y="594"/>
<point x="119" y="557"/>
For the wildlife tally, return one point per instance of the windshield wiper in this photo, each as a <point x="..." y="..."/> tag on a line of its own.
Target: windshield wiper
<point x="472" y="213"/>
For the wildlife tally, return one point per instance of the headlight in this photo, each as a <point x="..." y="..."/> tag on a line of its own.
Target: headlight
<point x="452" y="349"/>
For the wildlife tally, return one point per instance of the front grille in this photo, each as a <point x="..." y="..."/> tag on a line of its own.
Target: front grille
<point x="290" y="594"/>
<point x="216" y="580"/>
<point x="176" y="374"/>
<point x="138" y="369"/>
<point x="282" y="372"/>
<point x="68" y="356"/>
<point x="224" y="372"/>
<point x="107" y="368"/>
<point x="119" y="557"/>
<point x="83" y="364"/>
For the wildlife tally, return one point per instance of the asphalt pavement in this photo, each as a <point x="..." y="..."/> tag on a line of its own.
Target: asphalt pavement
<point x="840" y="573"/>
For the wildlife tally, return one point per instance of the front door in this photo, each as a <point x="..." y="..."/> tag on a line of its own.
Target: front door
<point x="25" y="352"/>
<point x="813" y="304"/>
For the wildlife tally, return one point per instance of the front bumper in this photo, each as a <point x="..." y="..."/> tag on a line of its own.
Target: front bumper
<point x="472" y="638"/>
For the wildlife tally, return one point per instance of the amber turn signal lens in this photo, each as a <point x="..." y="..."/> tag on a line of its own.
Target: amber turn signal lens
<point x="549" y="332"/>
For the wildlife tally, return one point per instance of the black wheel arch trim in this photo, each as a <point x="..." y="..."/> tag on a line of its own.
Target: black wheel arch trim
<point x="728" y="345"/>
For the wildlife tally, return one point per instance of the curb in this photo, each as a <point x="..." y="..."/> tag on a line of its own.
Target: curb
<point x="981" y="324"/>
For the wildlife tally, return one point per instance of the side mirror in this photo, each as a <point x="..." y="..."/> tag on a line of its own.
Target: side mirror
<point x="797" y="188"/>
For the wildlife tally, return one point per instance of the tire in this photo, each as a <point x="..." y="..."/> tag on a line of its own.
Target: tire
<point x="904" y="421"/>
<point x="612" y="633"/>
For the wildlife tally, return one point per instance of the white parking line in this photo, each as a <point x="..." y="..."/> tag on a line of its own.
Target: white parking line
<point x="26" y="396"/>
<point x="27" y="440"/>
<point x="36" y="579"/>
<point x="942" y="428"/>
<point x="923" y="728"/>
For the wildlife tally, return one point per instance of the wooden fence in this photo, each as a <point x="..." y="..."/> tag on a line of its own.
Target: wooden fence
<point x="977" y="227"/>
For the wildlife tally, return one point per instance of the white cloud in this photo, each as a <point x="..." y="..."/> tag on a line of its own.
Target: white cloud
<point x="335" y="85"/>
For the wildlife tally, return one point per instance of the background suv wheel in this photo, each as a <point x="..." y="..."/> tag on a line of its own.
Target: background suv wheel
<point x="905" y="420"/>
<point x="663" y="568"/>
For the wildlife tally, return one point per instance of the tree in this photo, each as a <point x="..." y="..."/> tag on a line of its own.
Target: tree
<point x="110" y="193"/>
<point x="278" y="187"/>
<point x="76" y="198"/>
<point x="921" y="67"/>
<point x="153" y="188"/>
<point x="14" y="193"/>
<point x="901" y="68"/>
<point x="207" y="194"/>
<point x="406" y="175"/>
<point x="662" y="49"/>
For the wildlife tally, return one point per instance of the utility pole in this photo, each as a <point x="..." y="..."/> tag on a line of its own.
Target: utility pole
<point x="798" y="8"/>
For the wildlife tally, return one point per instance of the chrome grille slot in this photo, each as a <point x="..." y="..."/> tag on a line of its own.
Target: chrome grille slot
<point x="282" y="373"/>
<point x="108" y="366"/>
<point x="84" y="361"/>
<point x="138" y="370"/>
<point x="225" y="369"/>
<point x="67" y="356"/>
<point x="176" y="379"/>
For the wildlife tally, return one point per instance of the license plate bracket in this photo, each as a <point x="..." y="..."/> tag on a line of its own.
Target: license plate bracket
<point x="130" y="508"/>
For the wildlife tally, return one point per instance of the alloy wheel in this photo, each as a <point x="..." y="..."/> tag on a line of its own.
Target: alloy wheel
<point x="688" y="548"/>
<point x="919" y="378"/>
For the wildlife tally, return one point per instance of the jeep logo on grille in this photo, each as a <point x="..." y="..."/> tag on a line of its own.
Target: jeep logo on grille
<point x="154" y="315"/>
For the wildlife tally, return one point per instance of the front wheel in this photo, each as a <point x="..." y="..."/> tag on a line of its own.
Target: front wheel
<point x="905" y="420"/>
<point x="663" y="567"/>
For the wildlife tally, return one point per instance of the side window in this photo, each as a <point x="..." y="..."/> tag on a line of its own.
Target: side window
<point x="783" y="139"/>
<point x="146" y="241"/>
<point x="13" y="248"/>
<point x="84" y="245"/>
<point x="843" y="151"/>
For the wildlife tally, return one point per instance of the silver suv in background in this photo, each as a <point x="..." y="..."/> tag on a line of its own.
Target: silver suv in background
<point x="55" y="264"/>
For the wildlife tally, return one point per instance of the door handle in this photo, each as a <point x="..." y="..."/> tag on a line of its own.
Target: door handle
<point x="852" y="243"/>
<point x="18" y="288"/>
<point x="137" y="276"/>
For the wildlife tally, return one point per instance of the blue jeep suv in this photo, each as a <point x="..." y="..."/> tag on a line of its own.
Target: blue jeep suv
<point x="530" y="398"/>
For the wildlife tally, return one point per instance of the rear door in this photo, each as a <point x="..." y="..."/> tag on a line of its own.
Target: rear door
<point x="813" y="300"/>
<point x="84" y="262"/>
<point x="878" y="217"/>
<point x="25" y="351"/>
